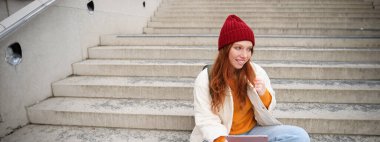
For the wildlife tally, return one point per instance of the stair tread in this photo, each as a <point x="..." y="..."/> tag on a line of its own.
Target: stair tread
<point x="291" y="5"/>
<point x="277" y="28"/>
<point x="261" y="3"/>
<point x="326" y="84"/>
<point x="338" y="54"/>
<point x="323" y="11"/>
<point x="277" y="9"/>
<point x="127" y="81"/>
<point x="268" y="2"/>
<point x="185" y="108"/>
<point x="319" y="64"/>
<point x="369" y="41"/>
<point x="213" y="35"/>
<point x="328" y="111"/>
<point x="285" y="48"/>
<point x="117" y="106"/>
<point x="49" y="133"/>
<point x="188" y="82"/>
<point x="272" y="15"/>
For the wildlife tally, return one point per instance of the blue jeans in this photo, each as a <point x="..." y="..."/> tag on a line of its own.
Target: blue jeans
<point x="281" y="133"/>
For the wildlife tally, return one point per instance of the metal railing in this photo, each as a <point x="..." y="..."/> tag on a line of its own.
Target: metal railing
<point x="14" y="21"/>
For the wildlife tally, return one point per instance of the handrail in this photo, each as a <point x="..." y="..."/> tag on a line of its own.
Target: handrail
<point x="19" y="18"/>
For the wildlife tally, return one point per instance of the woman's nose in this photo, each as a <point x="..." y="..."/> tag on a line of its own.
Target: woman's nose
<point x="245" y="54"/>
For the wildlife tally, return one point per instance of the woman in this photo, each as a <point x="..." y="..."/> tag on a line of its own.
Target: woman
<point x="241" y="98"/>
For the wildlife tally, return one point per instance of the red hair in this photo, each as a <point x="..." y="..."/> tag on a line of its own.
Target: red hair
<point x="224" y="75"/>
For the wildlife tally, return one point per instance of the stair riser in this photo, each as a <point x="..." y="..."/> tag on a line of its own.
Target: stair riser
<point x="323" y="73"/>
<point x="193" y="70"/>
<point x="245" y="3"/>
<point x="346" y="138"/>
<point x="187" y="122"/>
<point x="335" y="126"/>
<point x="171" y="7"/>
<point x="186" y="93"/>
<point x="270" y="19"/>
<point x="259" y="41"/>
<point x="112" y="120"/>
<point x="259" y="54"/>
<point x="328" y="96"/>
<point x="295" y="1"/>
<point x="263" y="1"/>
<point x="268" y="14"/>
<point x="149" y="92"/>
<point x="56" y="133"/>
<point x="138" y="70"/>
<point x="268" y="31"/>
<point x="258" y="25"/>
<point x="279" y="9"/>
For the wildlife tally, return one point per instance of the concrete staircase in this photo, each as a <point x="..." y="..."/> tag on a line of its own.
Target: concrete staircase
<point x="323" y="57"/>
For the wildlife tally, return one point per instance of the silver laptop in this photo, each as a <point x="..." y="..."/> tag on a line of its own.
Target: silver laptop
<point x="247" y="138"/>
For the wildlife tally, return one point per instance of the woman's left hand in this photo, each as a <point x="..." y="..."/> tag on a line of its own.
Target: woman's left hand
<point x="260" y="86"/>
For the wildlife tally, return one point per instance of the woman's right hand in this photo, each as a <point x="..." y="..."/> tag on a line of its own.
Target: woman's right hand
<point x="259" y="86"/>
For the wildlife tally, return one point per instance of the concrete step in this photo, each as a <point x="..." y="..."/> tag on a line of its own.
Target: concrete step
<point x="271" y="31"/>
<point x="261" y="40"/>
<point x="125" y="87"/>
<point x="121" y="113"/>
<point x="252" y="6"/>
<point x="176" y="3"/>
<point x="331" y="118"/>
<point x="268" y="1"/>
<point x="271" y="19"/>
<point x="54" y="133"/>
<point x="319" y="91"/>
<point x="178" y="115"/>
<point x="327" y="91"/>
<point x="269" y="9"/>
<point x="191" y="68"/>
<point x="260" y="53"/>
<point x="49" y="133"/>
<point x="341" y="138"/>
<point x="267" y="14"/>
<point x="164" y="1"/>
<point x="257" y="25"/>
<point x="162" y="68"/>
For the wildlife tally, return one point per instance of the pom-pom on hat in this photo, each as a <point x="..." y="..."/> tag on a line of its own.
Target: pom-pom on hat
<point x="234" y="29"/>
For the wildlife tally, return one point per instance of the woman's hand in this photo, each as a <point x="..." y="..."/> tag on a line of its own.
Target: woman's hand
<point x="260" y="86"/>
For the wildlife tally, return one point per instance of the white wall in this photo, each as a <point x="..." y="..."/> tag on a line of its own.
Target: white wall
<point x="52" y="41"/>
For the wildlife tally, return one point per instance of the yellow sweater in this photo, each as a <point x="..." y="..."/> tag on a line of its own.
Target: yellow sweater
<point x="244" y="118"/>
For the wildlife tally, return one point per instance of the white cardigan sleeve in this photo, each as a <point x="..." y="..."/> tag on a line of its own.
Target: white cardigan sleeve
<point x="208" y="123"/>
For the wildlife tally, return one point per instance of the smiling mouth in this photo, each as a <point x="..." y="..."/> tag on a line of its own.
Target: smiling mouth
<point x="240" y="62"/>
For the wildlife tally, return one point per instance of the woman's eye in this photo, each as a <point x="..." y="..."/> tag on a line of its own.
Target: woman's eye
<point x="237" y="47"/>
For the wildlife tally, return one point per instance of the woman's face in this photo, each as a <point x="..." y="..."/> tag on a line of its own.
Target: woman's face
<point x="240" y="53"/>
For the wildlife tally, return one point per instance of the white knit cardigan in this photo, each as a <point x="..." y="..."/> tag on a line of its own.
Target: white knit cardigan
<point x="209" y="126"/>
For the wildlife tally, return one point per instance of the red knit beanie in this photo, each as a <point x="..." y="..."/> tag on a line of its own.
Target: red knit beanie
<point x="234" y="29"/>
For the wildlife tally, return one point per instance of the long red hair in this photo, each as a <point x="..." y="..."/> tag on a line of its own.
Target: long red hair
<point x="224" y="75"/>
